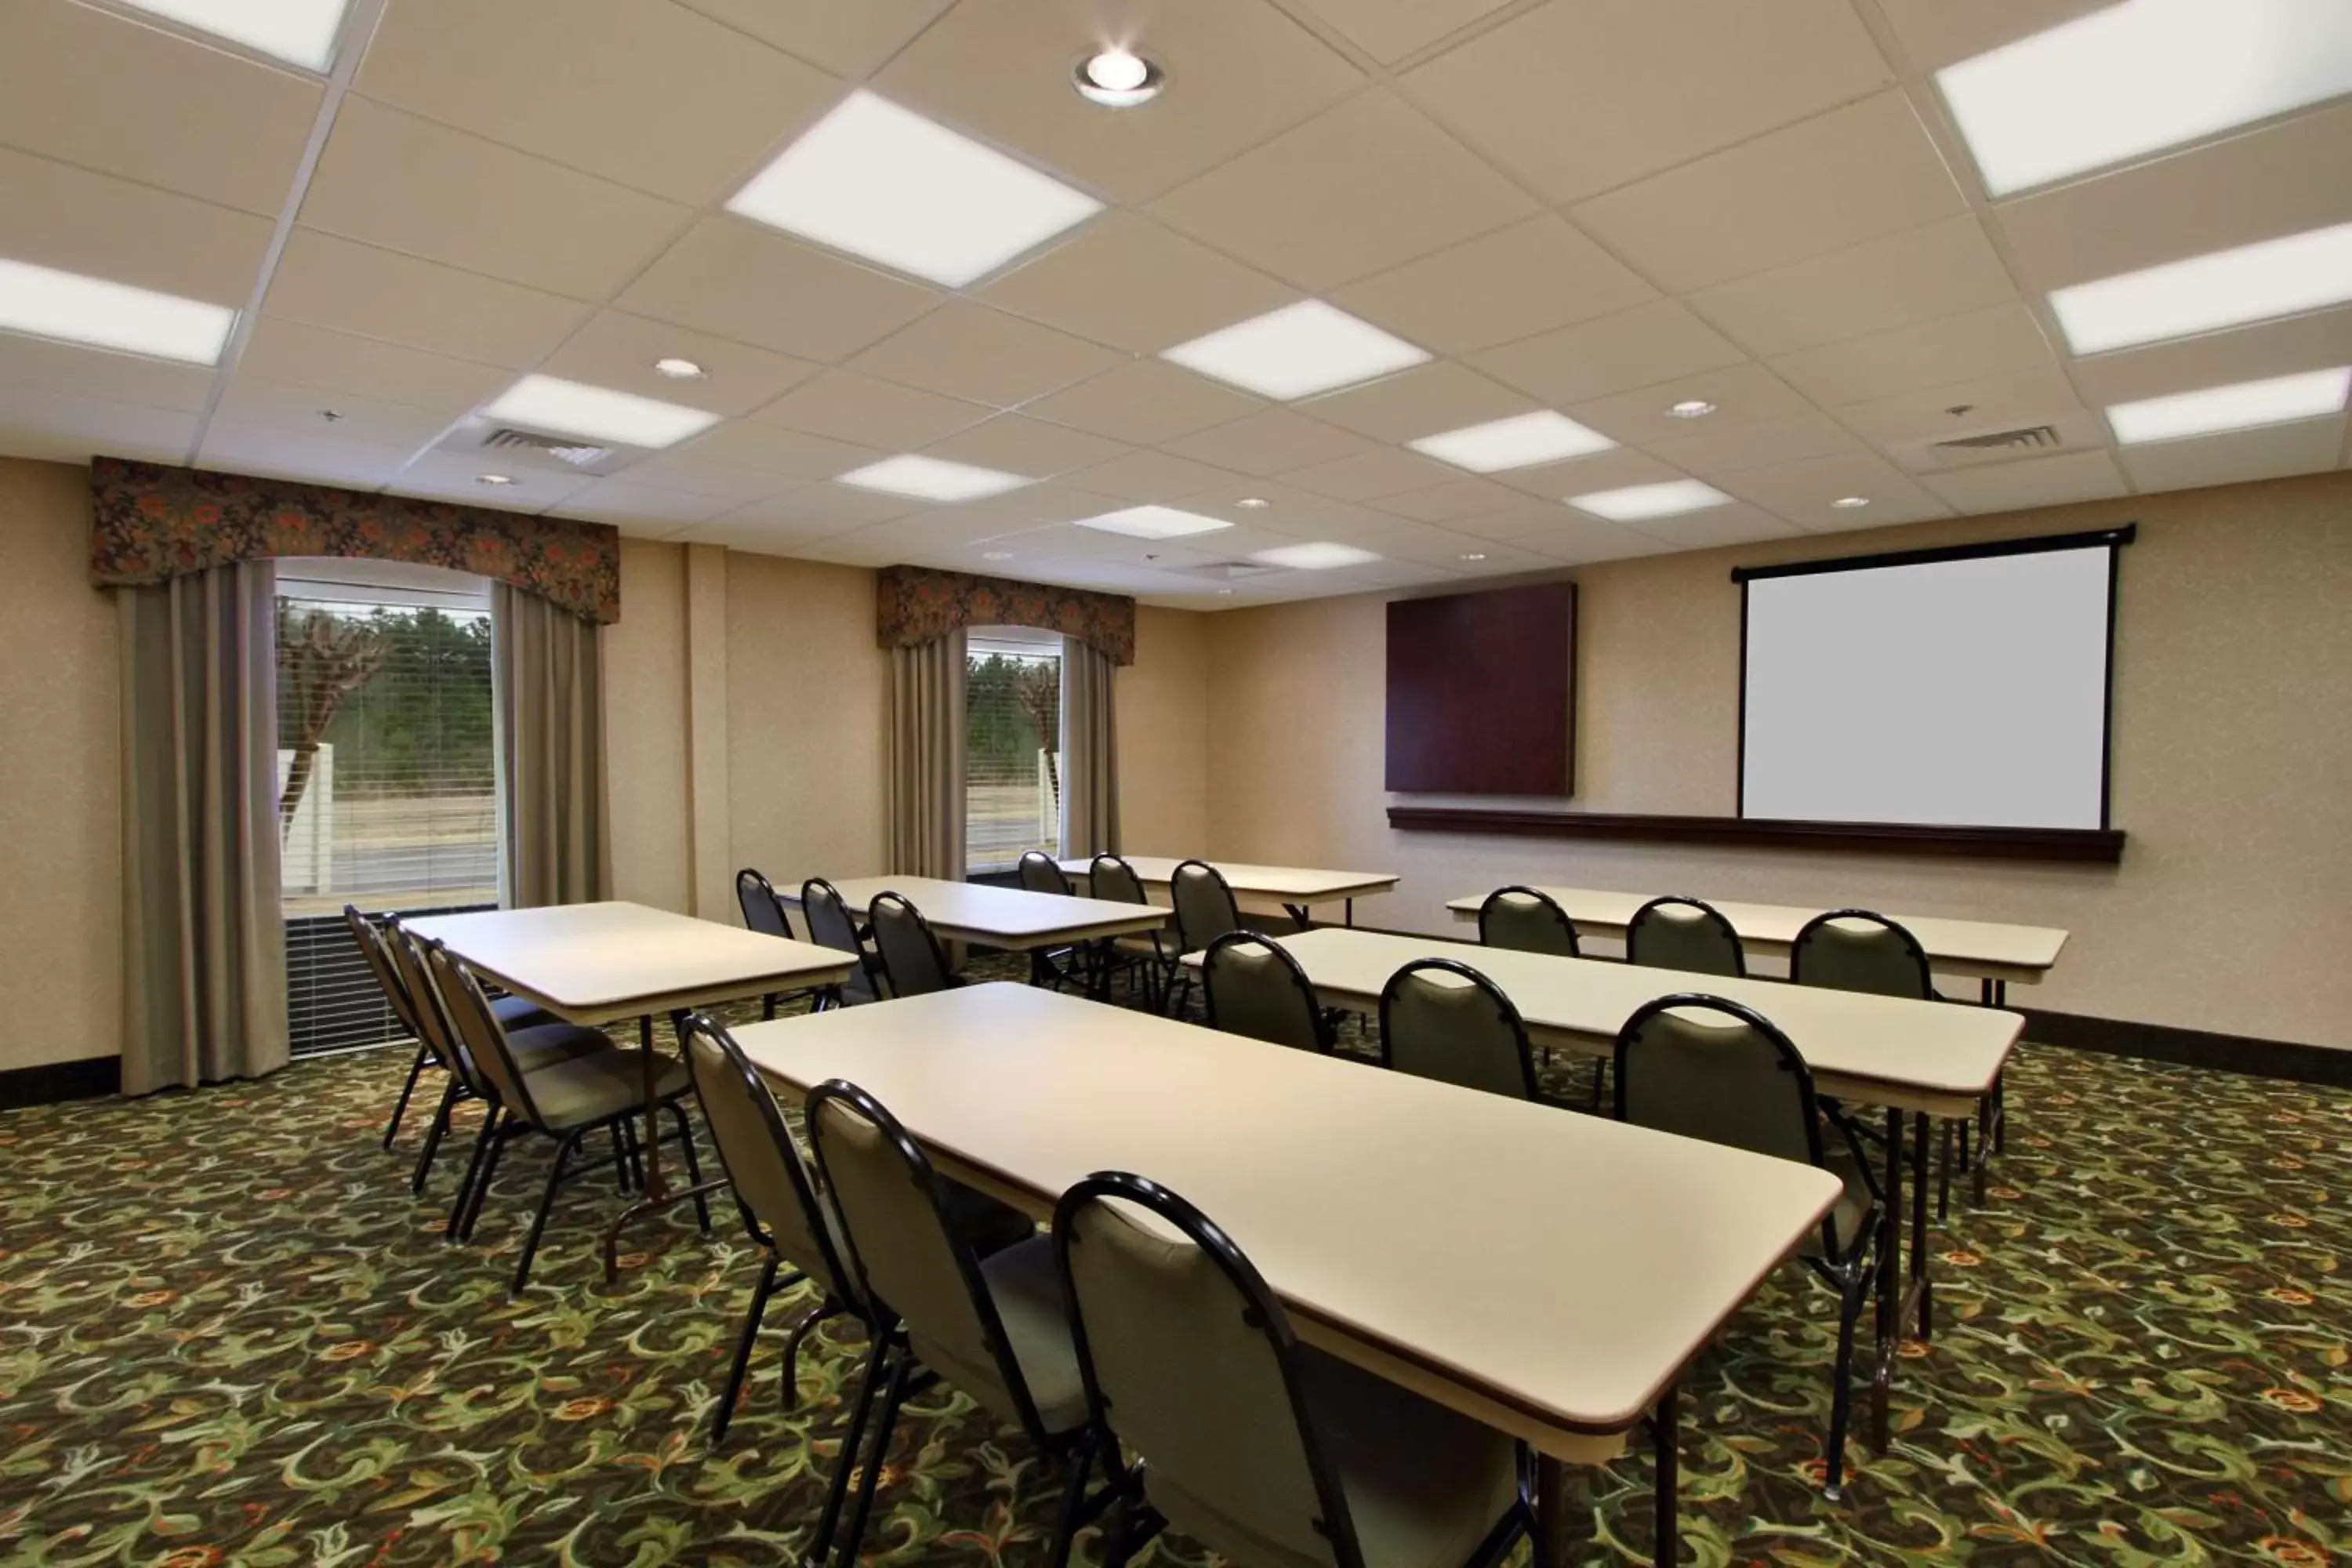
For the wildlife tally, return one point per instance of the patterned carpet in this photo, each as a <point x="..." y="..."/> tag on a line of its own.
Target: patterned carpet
<point x="228" y="1335"/>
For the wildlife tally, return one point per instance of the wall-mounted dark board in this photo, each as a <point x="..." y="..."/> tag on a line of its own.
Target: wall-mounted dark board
<point x="1482" y="692"/>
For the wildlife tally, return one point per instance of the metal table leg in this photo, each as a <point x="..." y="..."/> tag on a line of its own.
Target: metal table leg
<point x="1890" y="1302"/>
<point x="657" y="1194"/>
<point x="1666" y="1422"/>
<point x="1549" y="1547"/>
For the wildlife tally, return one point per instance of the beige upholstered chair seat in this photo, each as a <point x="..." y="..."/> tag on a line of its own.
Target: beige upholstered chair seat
<point x="589" y="1089"/>
<point x="537" y="1047"/>
<point x="1023" y="1282"/>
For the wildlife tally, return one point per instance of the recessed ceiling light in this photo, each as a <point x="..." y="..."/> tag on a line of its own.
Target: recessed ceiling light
<point x="598" y="413"/>
<point x="2227" y="288"/>
<point x="680" y="369"/>
<point x="1153" y="522"/>
<point x="1848" y="503"/>
<point x="1118" y="80"/>
<point x="302" y="32"/>
<point x="883" y="183"/>
<point x="1635" y="503"/>
<point x="933" y="478"/>
<point x="494" y="478"/>
<point x="46" y="303"/>
<point x="1692" y="409"/>
<point x="1254" y="503"/>
<point x="2128" y="79"/>
<point x="1315" y="557"/>
<point x="1476" y="556"/>
<point x="1514" y="443"/>
<point x="996" y="555"/>
<point x="1297" y="351"/>
<point x="2241" y="406"/>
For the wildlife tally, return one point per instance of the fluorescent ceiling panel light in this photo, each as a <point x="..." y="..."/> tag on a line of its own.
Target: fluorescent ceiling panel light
<point x="598" y="414"/>
<point x="2130" y="79"/>
<point x="42" y="302"/>
<point x="1296" y="351"/>
<point x="1317" y="557"/>
<point x="2205" y="293"/>
<point x="883" y="183"/>
<point x="1635" y="503"/>
<point x="2241" y="406"/>
<point x="932" y="478"/>
<point x="299" y="32"/>
<point x="1518" y="442"/>
<point x="1154" y="522"/>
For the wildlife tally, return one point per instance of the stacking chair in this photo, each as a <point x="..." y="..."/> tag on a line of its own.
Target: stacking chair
<point x="1255" y="988"/>
<point x="564" y="1101"/>
<point x="1703" y="1067"/>
<point x="830" y="925"/>
<point x="1682" y="933"/>
<point x="995" y="1328"/>
<point x="764" y="911"/>
<point x="1205" y="911"/>
<point x="1268" y="1452"/>
<point x="1061" y="965"/>
<point x="1443" y="1019"/>
<point x="1526" y="920"/>
<point x="1145" y="953"/>
<point x="914" y="964"/>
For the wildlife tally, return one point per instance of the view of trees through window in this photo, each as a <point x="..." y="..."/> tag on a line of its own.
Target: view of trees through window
<point x="1012" y="745"/>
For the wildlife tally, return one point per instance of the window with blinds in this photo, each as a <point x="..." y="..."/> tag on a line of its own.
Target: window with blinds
<point x="1013" y="746"/>
<point x="387" y="771"/>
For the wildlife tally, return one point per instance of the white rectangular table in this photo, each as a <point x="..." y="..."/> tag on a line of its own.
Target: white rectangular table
<point x="1401" y="1221"/>
<point x="598" y="963"/>
<point x="1010" y="918"/>
<point x="1298" y="888"/>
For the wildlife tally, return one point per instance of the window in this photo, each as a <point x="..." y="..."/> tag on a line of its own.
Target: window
<point x="387" y="771"/>
<point x="1013" y="746"/>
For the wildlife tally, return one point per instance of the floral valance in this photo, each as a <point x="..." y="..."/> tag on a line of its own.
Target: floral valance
<point x="919" y="604"/>
<point x="152" y="523"/>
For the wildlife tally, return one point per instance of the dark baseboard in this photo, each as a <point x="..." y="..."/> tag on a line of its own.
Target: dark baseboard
<point x="2191" y="1047"/>
<point x="53" y="1083"/>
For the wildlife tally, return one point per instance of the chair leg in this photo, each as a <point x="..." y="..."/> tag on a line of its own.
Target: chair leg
<point x="1944" y="1175"/>
<point x="836" y="1491"/>
<point x="1074" y="1499"/>
<point x="868" y="1482"/>
<point x="1599" y="1083"/>
<point x="1842" y="1390"/>
<point x="433" y="1136"/>
<point x="792" y="1341"/>
<point x="400" y="1106"/>
<point x="546" y="1201"/>
<point x="1133" y="1524"/>
<point x="620" y="1141"/>
<point x="628" y="1125"/>
<point x="693" y="1166"/>
<point x="507" y="1134"/>
<point x="760" y="1292"/>
<point x="462" y="1205"/>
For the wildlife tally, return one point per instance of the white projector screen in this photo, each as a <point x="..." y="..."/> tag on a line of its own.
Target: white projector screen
<point x="1970" y="691"/>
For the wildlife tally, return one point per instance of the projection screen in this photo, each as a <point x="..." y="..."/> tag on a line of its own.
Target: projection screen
<point x="1958" y="688"/>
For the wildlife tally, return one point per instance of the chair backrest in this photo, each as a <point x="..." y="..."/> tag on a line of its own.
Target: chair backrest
<point x="829" y="924"/>
<point x="1255" y="988"/>
<point x="762" y="911"/>
<point x="1040" y="874"/>
<point x="1689" y="935"/>
<point x="762" y="1162"/>
<point x="1442" y="1019"/>
<point x="1205" y="910"/>
<point x="1526" y="920"/>
<point x="478" y="1031"/>
<point x="1704" y="1067"/>
<point x="1190" y="1360"/>
<point x="388" y="980"/>
<point x="1857" y="950"/>
<point x="915" y="1265"/>
<point x="406" y="950"/>
<point x="913" y="962"/>
<point x="1111" y="878"/>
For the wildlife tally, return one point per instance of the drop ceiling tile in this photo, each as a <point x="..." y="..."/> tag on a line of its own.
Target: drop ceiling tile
<point x="734" y="279"/>
<point x="1147" y="476"/>
<point x="1708" y="452"/>
<point x="61" y="217"/>
<point x="1943" y="269"/>
<point x="1031" y="506"/>
<point x="1579" y="96"/>
<point x="1146" y="401"/>
<point x="685" y="469"/>
<point x="1271" y="442"/>
<point x="1427" y="400"/>
<point x="617" y="350"/>
<point x="2079" y="430"/>
<point x="760" y="536"/>
<point x="1389" y="30"/>
<point x="284" y="350"/>
<point x="1456" y="499"/>
<point x="106" y="93"/>
<point x="1641" y="347"/>
<point x="1370" y="476"/>
<point x="1136" y="285"/>
<point x="847" y="406"/>
<point x="2306" y="447"/>
<point x="1000" y="69"/>
<point x="450" y="476"/>
<point x="598" y="86"/>
<point x="1742" y="395"/>
<point x="969" y="351"/>
<point x="1936" y="33"/>
<point x="1609" y="471"/>
<point x="1801" y="491"/>
<point x="848" y="38"/>
<point x="822" y="507"/>
<point x="36" y="364"/>
<point x="1850" y="176"/>
<point x="271" y="451"/>
<point x="1290" y="514"/>
<point x="300" y="409"/>
<point x="60" y="427"/>
<point x="1362" y="187"/>
<point x="2036" y="481"/>
<point x="1013" y="444"/>
<point x="1399" y="540"/>
<point x="643" y="508"/>
<point x="390" y="179"/>
<point x="750" y="444"/>
<point x="1995" y="403"/>
<point x="360" y="290"/>
<point x="1527" y="278"/>
<point x="2004" y="341"/>
<point x="1573" y="539"/>
<point x="2320" y="340"/>
<point x="1718" y="526"/>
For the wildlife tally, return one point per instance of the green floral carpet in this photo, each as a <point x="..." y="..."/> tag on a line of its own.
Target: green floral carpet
<point x="229" y="1335"/>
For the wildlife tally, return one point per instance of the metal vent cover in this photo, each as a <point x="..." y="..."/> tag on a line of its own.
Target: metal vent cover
<point x="2025" y="439"/>
<point x="579" y="455"/>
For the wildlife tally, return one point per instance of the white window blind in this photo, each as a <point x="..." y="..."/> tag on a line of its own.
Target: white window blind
<point x="1012" y="743"/>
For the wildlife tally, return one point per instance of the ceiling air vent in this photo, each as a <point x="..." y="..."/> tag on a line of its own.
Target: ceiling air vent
<point x="578" y="455"/>
<point x="2030" y="438"/>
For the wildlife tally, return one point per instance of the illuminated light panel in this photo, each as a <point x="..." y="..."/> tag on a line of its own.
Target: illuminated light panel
<point x="1297" y="351"/>
<point x="933" y="478"/>
<point x="1636" y="502"/>
<point x="299" y="32"/>
<point x="1154" y="522"/>
<point x="598" y="414"/>
<point x="1320" y="556"/>
<point x="2206" y="293"/>
<point x="2243" y="405"/>
<point x="1518" y="442"/>
<point x="42" y="302"/>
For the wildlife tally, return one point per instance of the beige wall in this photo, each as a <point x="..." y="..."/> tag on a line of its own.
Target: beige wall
<point x="1163" y="711"/>
<point x="2232" y="760"/>
<point x="646" y="773"/>
<point x="60" y="829"/>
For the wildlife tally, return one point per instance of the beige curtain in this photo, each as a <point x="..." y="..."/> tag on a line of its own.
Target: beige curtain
<point x="551" y="700"/>
<point x="1089" y="752"/>
<point x="926" y="759"/>
<point x="204" y="943"/>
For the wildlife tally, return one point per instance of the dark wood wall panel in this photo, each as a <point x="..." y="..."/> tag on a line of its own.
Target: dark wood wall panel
<point x="1482" y="692"/>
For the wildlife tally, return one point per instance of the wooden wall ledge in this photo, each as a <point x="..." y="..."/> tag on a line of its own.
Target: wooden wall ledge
<point x="2102" y="846"/>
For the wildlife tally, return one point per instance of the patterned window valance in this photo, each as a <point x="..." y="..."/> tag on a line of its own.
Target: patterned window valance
<point x="919" y="604"/>
<point x="152" y="523"/>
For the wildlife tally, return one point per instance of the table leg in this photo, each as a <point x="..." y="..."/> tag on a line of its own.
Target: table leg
<point x="1352" y="911"/>
<point x="657" y="1194"/>
<point x="1919" y="1284"/>
<point x="1890" y="1286"/>
<point x="1549" y="1547"/>
<point x="1300" y="913"/>
<point x="1666" y="1421"/>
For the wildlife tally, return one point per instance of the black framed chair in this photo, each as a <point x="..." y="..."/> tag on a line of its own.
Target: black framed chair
<point x="764" y="911"/>
<point x="1685" y="933"/>
<point x="1442" y="1019"/>
<point x="1264" y="1450"/>
<point x="1145" y="953"/>
<point x="831" y="925"/>
<point x="1706" y="1067"/>
<point x="1527" y="919"/>
<point x="1254" y="987"/>
<point x="914" y="960"/>
<point x="995" y="1328"/>
<point x="1060" y="966"/>
<point x="1205" y="911"/>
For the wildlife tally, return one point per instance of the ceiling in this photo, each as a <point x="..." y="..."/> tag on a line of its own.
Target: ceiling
<point x="1598" y="206"/>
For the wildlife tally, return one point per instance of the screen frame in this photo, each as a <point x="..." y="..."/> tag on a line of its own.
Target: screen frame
<point x="2111" y="539"/>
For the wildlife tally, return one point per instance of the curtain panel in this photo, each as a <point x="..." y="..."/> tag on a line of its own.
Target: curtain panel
<point x="917" y="605"/>
<point x="150" y="525"/>
<point x="1089" y="752"/>
<point x="926" y="770"/>
<point x="548" y="687"/>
